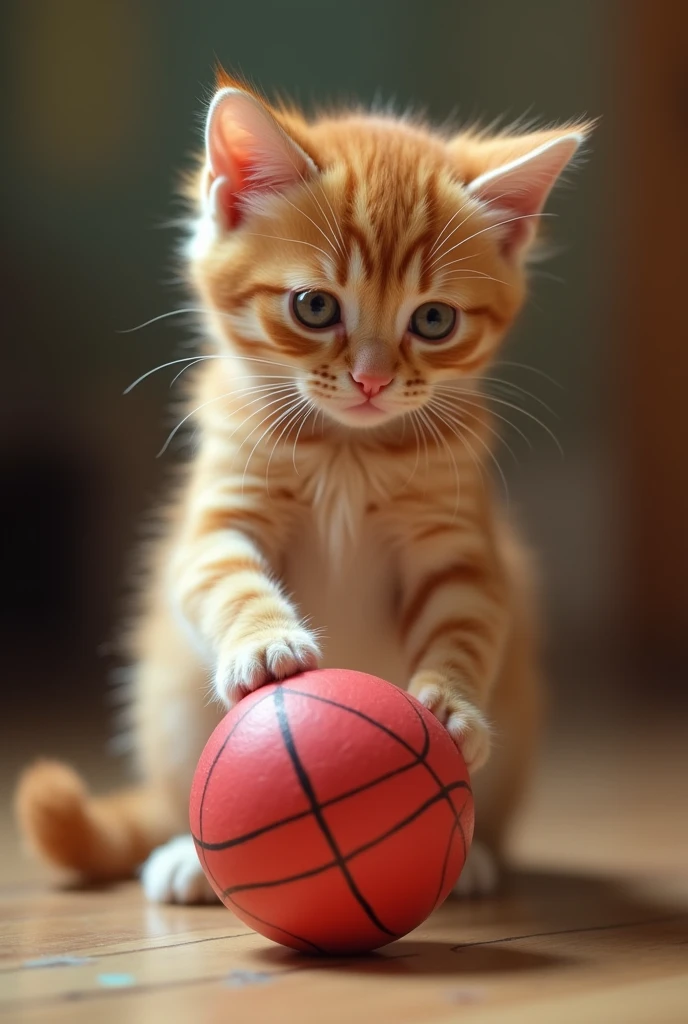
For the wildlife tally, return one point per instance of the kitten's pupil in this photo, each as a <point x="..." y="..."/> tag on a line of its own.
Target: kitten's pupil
<point x="434" y="316"/>
<point x="317" y="304"/>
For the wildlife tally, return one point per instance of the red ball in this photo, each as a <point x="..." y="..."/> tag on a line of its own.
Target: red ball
<point x="332" y="812"/>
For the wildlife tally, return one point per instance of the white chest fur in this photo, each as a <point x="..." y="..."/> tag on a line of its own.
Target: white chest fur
<point x="352" y="603"/>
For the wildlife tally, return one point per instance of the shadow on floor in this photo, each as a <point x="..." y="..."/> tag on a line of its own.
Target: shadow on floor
<point x="534" y="906"/>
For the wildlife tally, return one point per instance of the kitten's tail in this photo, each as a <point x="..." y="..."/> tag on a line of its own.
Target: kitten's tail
<point x="101" y="838"/>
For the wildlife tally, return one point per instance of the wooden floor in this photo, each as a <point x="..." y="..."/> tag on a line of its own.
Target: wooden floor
<point x="592" y="928"/>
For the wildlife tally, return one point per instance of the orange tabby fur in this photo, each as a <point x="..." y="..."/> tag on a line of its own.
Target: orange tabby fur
<point x="307" y="535"/>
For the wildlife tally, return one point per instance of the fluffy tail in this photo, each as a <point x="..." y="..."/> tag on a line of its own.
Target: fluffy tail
<point x="101" y="838"/>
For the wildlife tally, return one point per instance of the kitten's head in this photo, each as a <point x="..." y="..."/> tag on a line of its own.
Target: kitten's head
<point x="371" y="257"/>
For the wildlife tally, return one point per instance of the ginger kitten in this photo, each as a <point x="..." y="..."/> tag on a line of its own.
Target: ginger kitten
<point x="357" y="274"/>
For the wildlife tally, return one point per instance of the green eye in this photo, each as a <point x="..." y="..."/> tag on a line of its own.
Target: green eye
<point x="316" y="309"/>
<point x="433" y="321"/>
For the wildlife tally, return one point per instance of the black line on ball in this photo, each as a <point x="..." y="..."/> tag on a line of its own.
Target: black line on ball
<point x="217" y="757"/>
<point x="200" y="854"/>
<point x="307" y="787"/>
<point x="346" y="858"/>
<point x="256" y="833"/>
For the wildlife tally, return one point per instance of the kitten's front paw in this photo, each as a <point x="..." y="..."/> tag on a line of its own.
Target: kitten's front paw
<point x="269" y="655"/>
<point x="465" y="724"/>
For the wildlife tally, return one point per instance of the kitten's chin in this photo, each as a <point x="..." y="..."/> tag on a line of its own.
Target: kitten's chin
<point x="361" y="415"/>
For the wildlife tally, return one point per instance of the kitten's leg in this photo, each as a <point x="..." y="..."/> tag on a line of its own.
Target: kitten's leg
<point x="224" y="584"/>
<point x="515" y="711"/>
<point x="171" y="719"/>
<point x="454" y="620"/>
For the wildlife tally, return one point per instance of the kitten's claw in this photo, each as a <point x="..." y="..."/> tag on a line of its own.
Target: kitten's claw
<point x="270" y="655"/>
<point x="465" y="724"/>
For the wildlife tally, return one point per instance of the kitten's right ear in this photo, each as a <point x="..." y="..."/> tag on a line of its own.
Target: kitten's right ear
<point x="248" y="155"/>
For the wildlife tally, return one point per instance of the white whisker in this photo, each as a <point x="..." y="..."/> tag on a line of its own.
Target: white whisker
<point x="267" y="432"/>
<point x="449" y="408"/>
<point x="210" y="401"/>
<point x="492" y="456"/>
<point x="532" y="369"/>
<point x="524" y="412"/>
<point x="308" y="217"/>
<point x="426" y="414"/>
<point x="490" y="227"/>
<point x="296" y="241"/>
<point x="292" y="420"/>
<point x="455" y="429"/>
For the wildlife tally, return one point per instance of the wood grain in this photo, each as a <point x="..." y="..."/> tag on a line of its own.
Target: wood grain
<point x="592" y="927"/>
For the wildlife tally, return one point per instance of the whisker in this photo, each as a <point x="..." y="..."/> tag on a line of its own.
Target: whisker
<point x="292" y="419"/>
<point x="203" y="405"/>
<point x="518" y="388"/>
<point x="524" y="412"/>
<point x="297" y="241"/>
<point x="475" y="274"/>
<point x="308" y="217"/>
<point x="197" y="358"/>
<point x="304" y="181"/>
<point x="492" y="456"/>
<point x="455" y="429"/>
<point x="426" y="413"/>
<point x="509" y="388"/>
<point x="490" y="227"/>
<point x="161" y="316"/>
<point x="412" y="421"/>
<point x="267" y="432"/>
<point x="448" y="224"/>
<point x="478" y="207"/>
<point x="334" y="218"/>
<point x="533" y="369"/>
<point x="339" y="241"/>
<point x="447" y="406"/>
<point x="311" y="406"/>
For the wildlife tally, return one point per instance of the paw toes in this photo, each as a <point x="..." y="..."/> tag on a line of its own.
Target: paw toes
<point x="173" y="874"/>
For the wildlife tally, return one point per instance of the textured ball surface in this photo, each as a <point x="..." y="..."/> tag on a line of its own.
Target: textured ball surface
<point x="332" y="812"/>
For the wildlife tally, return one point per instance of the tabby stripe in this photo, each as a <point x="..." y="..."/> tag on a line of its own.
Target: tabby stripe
<point x="242" y="298"/>
<point x="461" y="574"/>
<point x="433" y="531"/>
<point x="217" y="520"/>
<point x="454" y="631"/>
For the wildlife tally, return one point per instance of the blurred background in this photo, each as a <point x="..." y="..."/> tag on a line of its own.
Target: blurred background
<point x="102" y="106"/>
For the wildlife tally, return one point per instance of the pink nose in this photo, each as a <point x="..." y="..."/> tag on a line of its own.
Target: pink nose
<point x="371" y="384"/>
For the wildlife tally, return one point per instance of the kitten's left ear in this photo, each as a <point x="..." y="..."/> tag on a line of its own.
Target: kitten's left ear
<point x="516" y="191"/>
<point x="248" y="154"/>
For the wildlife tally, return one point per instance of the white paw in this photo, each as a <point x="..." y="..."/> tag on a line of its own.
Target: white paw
<point x="173" y="874"/>
<point x="466" y="725"/>
<point x="272" y="654"/>
<point x="480" y="874"/>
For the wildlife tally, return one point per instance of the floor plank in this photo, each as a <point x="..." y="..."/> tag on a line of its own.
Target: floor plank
<point x="593" y="926"/>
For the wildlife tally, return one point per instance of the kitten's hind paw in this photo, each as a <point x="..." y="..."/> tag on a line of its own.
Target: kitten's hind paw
<point x="480" y="875"/>
<point x="173" y="874"/>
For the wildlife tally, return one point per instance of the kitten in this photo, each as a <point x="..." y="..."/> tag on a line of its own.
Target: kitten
<point x="357" y="275"/>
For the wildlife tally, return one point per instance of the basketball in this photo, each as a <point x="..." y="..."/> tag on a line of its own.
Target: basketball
<point x="332" y="812"/>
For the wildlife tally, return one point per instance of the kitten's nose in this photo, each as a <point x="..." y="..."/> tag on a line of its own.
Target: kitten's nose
<point x="371" y="384"/>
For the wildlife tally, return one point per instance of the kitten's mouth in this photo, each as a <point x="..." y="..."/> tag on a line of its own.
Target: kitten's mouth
<point x="364" y="407"/>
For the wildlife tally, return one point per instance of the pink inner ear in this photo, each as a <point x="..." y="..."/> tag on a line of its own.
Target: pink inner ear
<point x="248" y="153"/>
<point x="518" y="191"/>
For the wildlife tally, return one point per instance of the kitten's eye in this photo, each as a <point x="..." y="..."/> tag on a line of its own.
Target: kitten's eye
<point x="433" y="321"/>
<point x="316" y="309"/>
